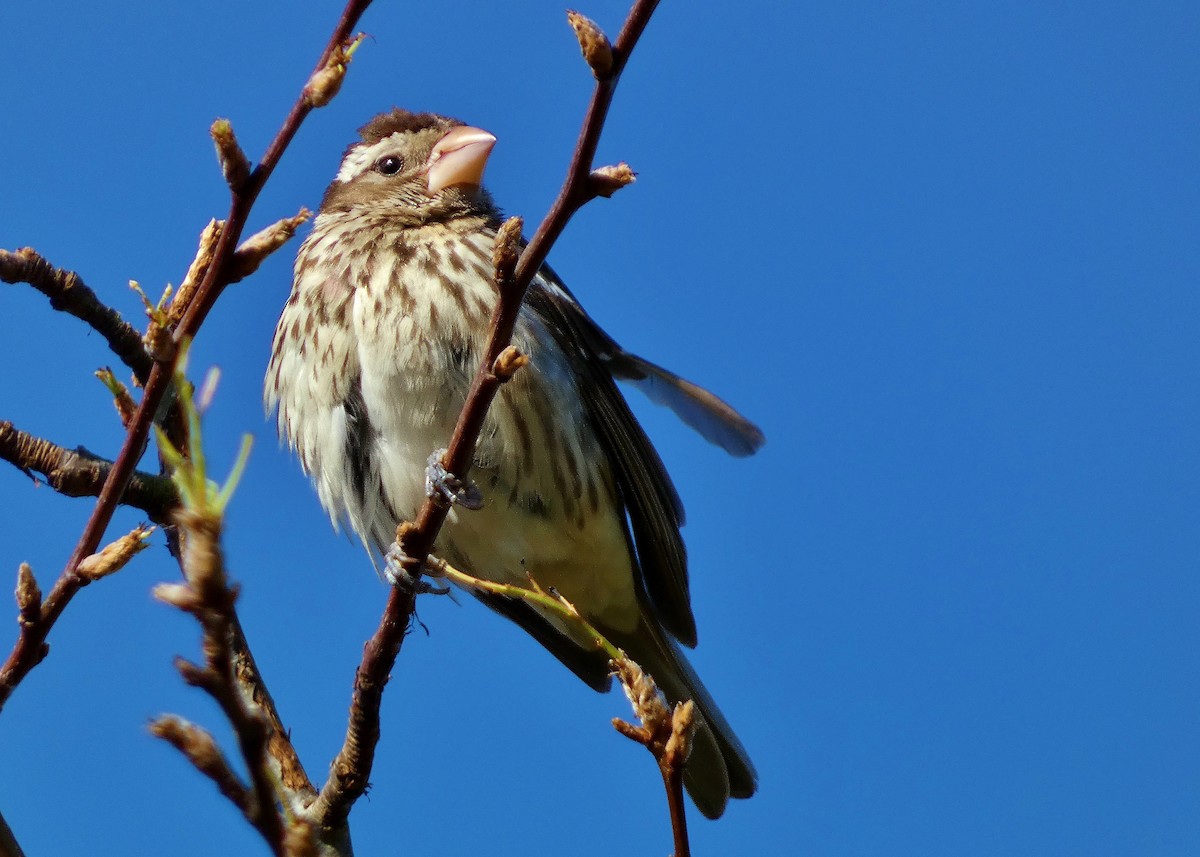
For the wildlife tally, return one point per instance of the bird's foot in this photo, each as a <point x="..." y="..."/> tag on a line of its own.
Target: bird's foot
<point x="404" y="572"/>
<point x="441" y="483"/>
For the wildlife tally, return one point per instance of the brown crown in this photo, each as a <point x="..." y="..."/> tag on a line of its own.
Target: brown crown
<point x="386" y="124"/>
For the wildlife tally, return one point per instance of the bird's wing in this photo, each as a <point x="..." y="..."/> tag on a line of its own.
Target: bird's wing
<point x="714" y="419"/>
<point x="708" y="415"/>
<point x="651" y="502"/>
<point x="590" y="663"/>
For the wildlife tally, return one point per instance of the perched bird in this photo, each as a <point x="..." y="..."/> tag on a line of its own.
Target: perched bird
<point x="371" y="363"/>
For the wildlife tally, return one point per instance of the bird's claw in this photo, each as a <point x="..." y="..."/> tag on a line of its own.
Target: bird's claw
<point x="404" y="572"/>
<point x="441" y="483"/>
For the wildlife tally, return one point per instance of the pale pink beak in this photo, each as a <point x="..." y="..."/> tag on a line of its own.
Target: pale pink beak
<point x="459" y="158"/>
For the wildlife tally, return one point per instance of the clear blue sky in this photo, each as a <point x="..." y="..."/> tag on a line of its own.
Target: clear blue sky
<point x="945" y="254"/>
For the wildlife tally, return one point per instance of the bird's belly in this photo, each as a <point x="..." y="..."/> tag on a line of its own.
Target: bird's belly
<point x="549" y="508"/>
<point x="588" y="566"/>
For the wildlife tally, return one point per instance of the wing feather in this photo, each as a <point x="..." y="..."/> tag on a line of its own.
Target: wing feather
<point x="653" y="507"/>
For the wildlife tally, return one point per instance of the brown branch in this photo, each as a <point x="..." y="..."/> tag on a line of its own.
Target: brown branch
<point x="351" y="769"/>
<point x="200" y="748"/>
<point x="78" y="473"/>
<point x="578" y="188"/>
<point x="69" y="294"/>
<point x="29" y="647"/>
<point x="229" y="674"/>
<point x="673" y="783"/>
<point x="209" y="597"/>
<point x="114" y="557"/>
<point x="287" y="766"/>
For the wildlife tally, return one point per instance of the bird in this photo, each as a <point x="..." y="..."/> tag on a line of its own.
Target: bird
<point x="371" y="361"/>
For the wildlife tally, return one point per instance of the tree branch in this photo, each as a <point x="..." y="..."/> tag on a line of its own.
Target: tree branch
<point x="78" y="473"/>
<point x="286" y="761"/>
<point x="351" y="769"/>
<point x="209" y="597"/>
<point x="322" y="83"/>
<point x="68" y="293"/>
<point x="228" y="674"/>
<point x="200" y="748"/>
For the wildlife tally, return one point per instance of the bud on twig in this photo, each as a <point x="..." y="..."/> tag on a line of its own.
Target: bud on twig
<point x="648" y="702"/>
<point x="261" y="244"/>
<point x="124" y="403"/>
<point x="606" y="181"/>
<point x="506" y="365"/>
<point x="200" y="748"/>
<point x="209" y="236"/>
<point x="234" y="163"/>
<point x="596" y="48"/>
<point x="507" y="249"/>
<point x="191" y="740"/>
<point x="29" y="596"/>
<point x="114" y="556"/>
<point x="325" y="83"/>
<point x="683" y="726"/>
<point x="158" y="342"/>
<point x="196" y="675"/>
<point x="157" y="338"/>
<point x="177" y="595"/>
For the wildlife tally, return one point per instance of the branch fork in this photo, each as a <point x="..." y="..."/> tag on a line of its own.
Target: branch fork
<point x="156" y="376"/>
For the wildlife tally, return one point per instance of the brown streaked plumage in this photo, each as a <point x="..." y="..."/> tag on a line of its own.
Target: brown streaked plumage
<point x="372" y="360"/>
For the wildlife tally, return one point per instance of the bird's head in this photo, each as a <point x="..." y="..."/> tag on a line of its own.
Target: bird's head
<point x="413" y="168"/>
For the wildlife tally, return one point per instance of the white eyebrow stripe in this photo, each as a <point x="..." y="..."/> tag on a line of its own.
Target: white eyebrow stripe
<point x="362" y="157"/>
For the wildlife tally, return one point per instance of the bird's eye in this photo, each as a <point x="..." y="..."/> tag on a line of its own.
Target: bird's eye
<point x="389" y="165"/>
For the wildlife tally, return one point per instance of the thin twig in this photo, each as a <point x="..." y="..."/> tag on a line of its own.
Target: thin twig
<point x="31" y="642"/>
<point x="351" y="769"/>
<point x="673" y="783"/>
<point x="200" y="748"/>
<point x="671" y="763"/>
<point x="577" y="190"/>
<point x="665" y="732"/>
<point x="535" y="595"/>
<point x="76" y="473"/>
<point x="209" y="597"/>
<point x="68" y="293"/>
